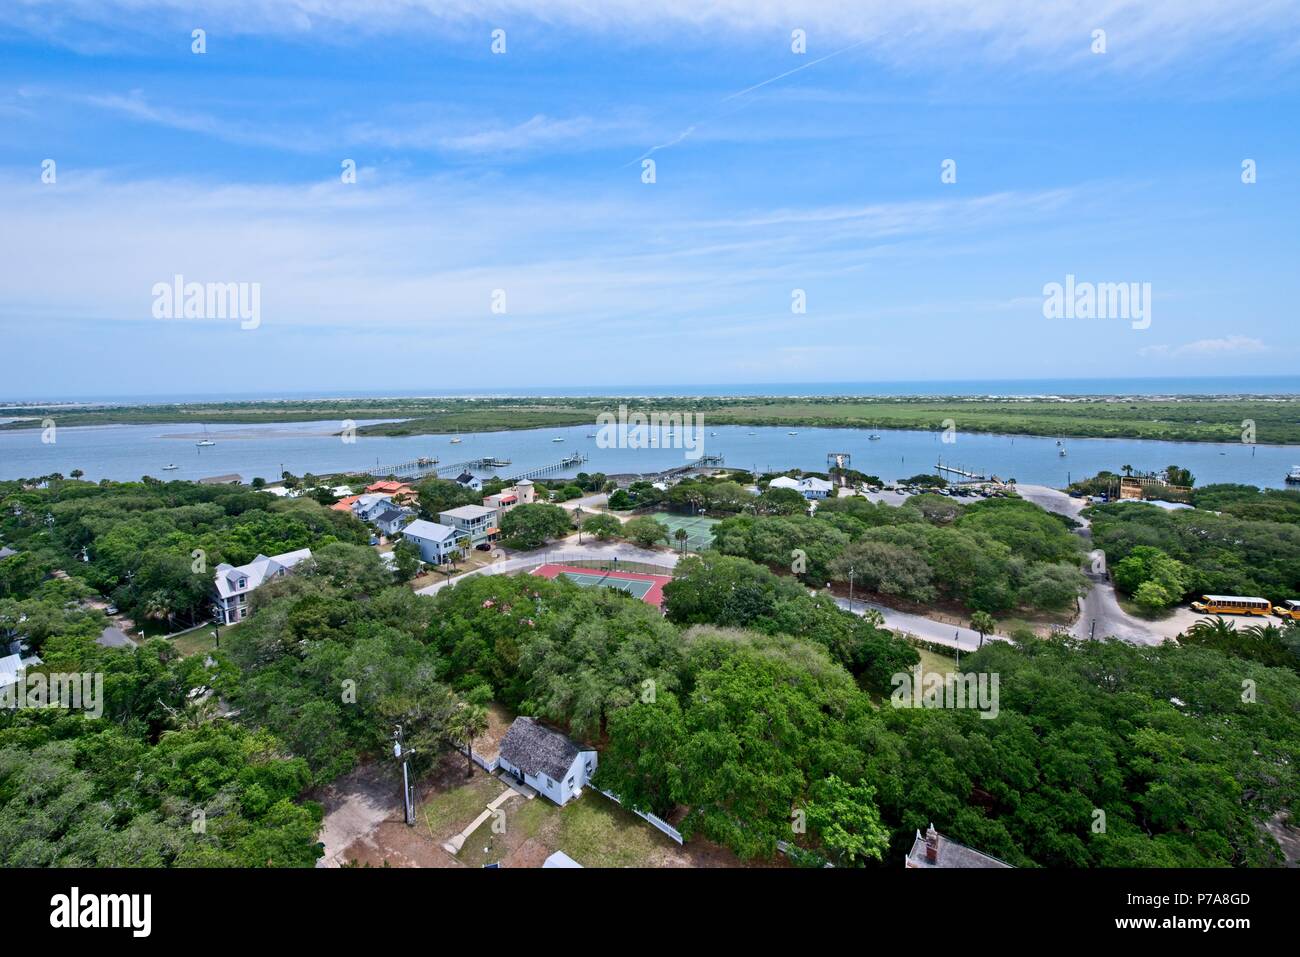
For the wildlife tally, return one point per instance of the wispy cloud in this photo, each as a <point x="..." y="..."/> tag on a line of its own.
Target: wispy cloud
<point x="1207" y="348"/>
<point x="1144" y="32"/>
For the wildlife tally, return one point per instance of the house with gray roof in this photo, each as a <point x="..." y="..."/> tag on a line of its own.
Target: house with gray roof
<point x="390" y="519"/>
<point x="547" y="760"/>
<point x="932" y="849"/>
<point x="475" y="522"/>
<point x="6" y="551"/>
<point x="436" y="542"/>
<point x="232" y="584"/>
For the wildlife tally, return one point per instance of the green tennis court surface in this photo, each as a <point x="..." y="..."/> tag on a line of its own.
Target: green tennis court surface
<point x="637" y="589"/>
<point x="699" y="530"/>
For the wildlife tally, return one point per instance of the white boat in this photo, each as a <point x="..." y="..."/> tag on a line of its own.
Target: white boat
<point x="873" y="437"/>
<point x="169" y="468"/>
<point x="557" y="439"/>
<point x="206" y="441"/>
<point x="792" y="433"/>
<point x="455" y="441"/>
<point x="591" y="435"/>
<point x="1293" y="477"/>
<point x="1062" y="452"/>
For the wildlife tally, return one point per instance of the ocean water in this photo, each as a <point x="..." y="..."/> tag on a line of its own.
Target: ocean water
<point x="1186" y="385"/>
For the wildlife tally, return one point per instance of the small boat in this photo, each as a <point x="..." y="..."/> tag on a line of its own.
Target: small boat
<point x="456" y="441"/>
<point x="792" y="433"/>
<point x="206" y="442"/>
<point x="1293" y="477"/>
<point x="170" y="468"/>
<point x="1058" y="441"/>
<point x="753" y="433"/>
<point x="557" y="439"/>
<point x="1061" y="452"/>
<point x="591" y="435"/>
<point x="873" y="437"/>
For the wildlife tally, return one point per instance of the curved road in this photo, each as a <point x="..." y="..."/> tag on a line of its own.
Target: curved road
<point x="1099" y="605"/>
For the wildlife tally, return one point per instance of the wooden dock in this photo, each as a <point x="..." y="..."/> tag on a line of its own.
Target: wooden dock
<point x="568" y="462"/>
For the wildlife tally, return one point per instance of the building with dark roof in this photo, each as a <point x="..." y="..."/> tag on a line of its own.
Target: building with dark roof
<point x="547" y="760"/>
<point x="932" y="849"/>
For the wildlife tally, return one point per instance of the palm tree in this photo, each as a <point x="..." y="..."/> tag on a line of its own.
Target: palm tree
<point x="467" y="724"/>
<point x="681" y="535"/>
<point x="982" y="622"/>
<point x="76" y="473"/>
<point x="1212" y="630"/>
<point x="1126" y="469"/>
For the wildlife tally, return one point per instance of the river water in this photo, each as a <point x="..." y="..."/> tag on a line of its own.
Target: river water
<point x="125" y="452"/>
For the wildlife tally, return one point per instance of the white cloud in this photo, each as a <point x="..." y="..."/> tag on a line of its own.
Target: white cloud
<point x="426" y="254"/>
<point x="1207" y="348"/>
<point x="1141" y="32"/>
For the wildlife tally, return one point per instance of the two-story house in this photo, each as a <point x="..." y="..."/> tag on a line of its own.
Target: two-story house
<point x="475" y="522"/>
<point x="437" y="543"/>
<point x="234" y="583"/>
<point x="521" y="493"/>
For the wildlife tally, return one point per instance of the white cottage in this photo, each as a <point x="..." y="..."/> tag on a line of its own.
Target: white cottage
<point x="546" y="760"/>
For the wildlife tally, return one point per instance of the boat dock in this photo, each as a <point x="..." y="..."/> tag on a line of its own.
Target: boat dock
<point x="416" y="468"/>
<point x="568" y="462"/>
<point x="969" y="476"/>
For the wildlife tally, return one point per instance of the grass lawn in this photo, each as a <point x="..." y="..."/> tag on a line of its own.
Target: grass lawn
<point x="596" y="832"/>
<point x="199" y="640"/>
<point x="445" y="812"/>
<point x="935" y="663"/>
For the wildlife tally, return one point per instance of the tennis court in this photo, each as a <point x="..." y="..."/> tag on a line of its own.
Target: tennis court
<point x="649" y="588"/>
<point x="699" y="530"/>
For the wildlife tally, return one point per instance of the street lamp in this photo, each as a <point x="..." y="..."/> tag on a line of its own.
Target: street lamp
<point x="850" y="589"/>
<point x="577" y="514"/>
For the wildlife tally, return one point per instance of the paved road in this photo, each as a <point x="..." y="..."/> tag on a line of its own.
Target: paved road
<point x="927" y="629"/>
<point x="1101" y="605"/>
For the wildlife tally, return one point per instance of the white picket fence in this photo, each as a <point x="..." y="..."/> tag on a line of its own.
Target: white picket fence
<point x="488" y="766"/>
<point x="654" y="821"/>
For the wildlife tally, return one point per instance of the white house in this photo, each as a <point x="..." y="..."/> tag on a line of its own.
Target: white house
<point x="435" y="542"/>
<point x="521" y="493"/>
<point x="11" y="670"/>
<point x="466" y="480"/>
<point x="546" y="760"/>
<point x="477" y="522"/>
<point x="809" y="488"/>
<point x="815" y="488"/>
<point x="234" y="583"/>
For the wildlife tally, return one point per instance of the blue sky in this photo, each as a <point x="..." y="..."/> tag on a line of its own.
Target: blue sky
<point x="522" y="172"/>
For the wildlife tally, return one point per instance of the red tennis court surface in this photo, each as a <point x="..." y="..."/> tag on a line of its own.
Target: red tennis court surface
<point x="649" y="588"/>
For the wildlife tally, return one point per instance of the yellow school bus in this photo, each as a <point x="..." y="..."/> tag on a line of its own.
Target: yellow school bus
<point x="1232" y="605"/>
<point x="1288" y="609"/>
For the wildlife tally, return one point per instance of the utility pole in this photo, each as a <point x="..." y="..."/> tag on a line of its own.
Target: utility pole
<point x="850" y="589"/>
<point x="408" y="792"/>
<point x="956" y="636"/>
<point x="1092" y="630"/>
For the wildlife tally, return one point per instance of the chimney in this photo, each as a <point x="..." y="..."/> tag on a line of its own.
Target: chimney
<point x="931" y="845"/>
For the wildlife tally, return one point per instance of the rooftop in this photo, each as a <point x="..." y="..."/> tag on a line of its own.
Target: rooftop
<point x="536" y="749"/>
<point x="948" y="853"/>
<point x="468" y="512"/>
<point x="430" y="530"/>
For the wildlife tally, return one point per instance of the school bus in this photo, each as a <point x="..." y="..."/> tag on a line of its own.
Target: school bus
<point x="1288" y="609"/>
<point x="1233" y="605"/>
